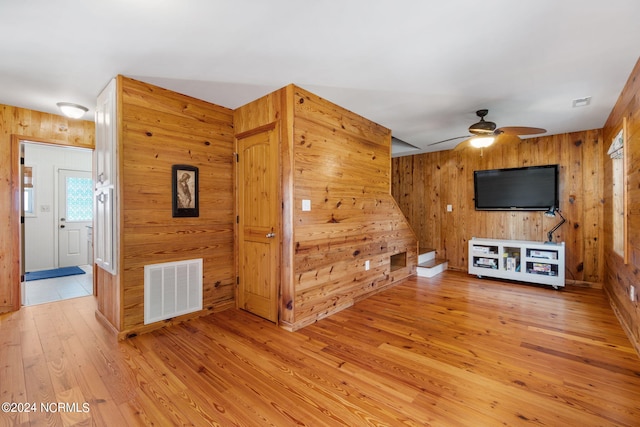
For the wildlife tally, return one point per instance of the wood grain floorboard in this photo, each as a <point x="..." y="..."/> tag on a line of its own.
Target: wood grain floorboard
<point x="453" y="350"/>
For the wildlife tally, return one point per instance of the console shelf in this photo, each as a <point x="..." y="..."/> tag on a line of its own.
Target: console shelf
<point x="525" y="261"/>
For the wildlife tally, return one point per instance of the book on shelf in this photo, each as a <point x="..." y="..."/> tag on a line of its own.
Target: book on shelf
<point x="545" y="268"/>
<point x="486" y="262"/>
<point x="541" y="268"/>
<point x="543" y="254"/>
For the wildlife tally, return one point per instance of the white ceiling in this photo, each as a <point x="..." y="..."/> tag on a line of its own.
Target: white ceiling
<point x="421" y="68"/>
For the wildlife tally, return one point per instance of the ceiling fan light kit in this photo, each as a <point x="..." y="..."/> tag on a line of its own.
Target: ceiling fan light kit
<point x="484" y="133"/>
<point x="482" y="141"/>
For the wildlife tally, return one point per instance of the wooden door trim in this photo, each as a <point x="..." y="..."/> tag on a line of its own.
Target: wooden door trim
<point x="254" y="131"/>
<point x="14" y="220"/>
<point x="14" y="216"/>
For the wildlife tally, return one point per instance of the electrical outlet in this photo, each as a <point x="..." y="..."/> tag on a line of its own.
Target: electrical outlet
<point x="632" y="293"/>
<point x="367" y="265"/>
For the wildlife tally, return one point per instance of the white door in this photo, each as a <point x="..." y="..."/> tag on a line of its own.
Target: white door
<point x="75" y="213"/>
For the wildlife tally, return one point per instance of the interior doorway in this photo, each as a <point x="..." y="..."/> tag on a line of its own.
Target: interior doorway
<point x="258" y="223"/>
<point x="57" y="207"/>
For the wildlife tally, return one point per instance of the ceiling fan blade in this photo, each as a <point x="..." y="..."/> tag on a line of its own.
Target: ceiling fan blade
<point x="400" y="143"/>
<point x="520" y="130"/>
<point x="447" y="140"/>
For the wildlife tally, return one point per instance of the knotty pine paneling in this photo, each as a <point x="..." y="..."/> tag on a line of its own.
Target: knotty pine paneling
<point x="425" y="184"/>
<point x="618" y="275"/>
<point x="108" y="298"/>
<point x="341" y="163"/>
<point x="21" y="124"/>
<point x="161" y="128"/>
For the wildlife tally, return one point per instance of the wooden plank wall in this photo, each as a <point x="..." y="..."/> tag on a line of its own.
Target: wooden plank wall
<point x="161" y="128"/>
<point x="16" y="124"/>
<point x="341" y="163"/>
<point x="618" y="275"/>
<point x="425" y="184"/>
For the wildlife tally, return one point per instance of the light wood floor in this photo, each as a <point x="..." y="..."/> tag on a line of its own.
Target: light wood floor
<point x="452" y="350"/>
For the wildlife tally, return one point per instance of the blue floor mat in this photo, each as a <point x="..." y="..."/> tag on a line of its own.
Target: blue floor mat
<point x="50" y="274"/>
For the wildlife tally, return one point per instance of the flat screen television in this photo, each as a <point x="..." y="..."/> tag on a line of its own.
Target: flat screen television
<point x="533" y="188"/>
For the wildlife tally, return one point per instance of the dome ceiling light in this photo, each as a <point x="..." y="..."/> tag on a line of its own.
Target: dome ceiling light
<point x="71" y="110"/>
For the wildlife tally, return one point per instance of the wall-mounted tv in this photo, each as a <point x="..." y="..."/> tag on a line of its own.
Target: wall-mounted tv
<point x="533" y="188"/>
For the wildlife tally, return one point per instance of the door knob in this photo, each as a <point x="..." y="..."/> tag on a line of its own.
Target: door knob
<point x="62" y="226"/>
<point x="271" y="235"/>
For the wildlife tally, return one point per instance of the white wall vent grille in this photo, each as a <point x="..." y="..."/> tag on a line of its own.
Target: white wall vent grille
<point x="172" y="289"/>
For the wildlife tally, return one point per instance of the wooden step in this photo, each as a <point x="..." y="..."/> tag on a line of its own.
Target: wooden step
<point x="433" y="263"/>
<point x="432" y="267"/>
<point x="426" y="254"/>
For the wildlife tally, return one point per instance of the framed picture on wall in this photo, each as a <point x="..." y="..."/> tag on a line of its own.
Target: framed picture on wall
<point x="184" y="190"/>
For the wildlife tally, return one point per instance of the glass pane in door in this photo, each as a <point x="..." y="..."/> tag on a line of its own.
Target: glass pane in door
<point x="79" y="199"/>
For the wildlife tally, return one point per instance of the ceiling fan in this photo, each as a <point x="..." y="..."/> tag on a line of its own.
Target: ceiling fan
<point x="485" y="133"/>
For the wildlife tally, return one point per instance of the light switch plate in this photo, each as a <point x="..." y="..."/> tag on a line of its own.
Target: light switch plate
<point x="306" y="205"/>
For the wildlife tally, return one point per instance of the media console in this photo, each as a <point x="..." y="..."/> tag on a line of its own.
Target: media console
<point x="533" y="262"/>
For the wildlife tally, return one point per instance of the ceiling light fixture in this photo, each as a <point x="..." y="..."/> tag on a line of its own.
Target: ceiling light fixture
<point x="71" y="110"/>
<point x="482" y="141"/>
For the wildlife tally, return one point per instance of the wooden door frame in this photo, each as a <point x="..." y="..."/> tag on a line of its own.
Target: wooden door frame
<point x="275" y="127"/>
<point x="14" y="216"/>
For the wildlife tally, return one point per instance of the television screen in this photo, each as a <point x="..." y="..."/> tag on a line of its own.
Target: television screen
<point x="533" y="188"/>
